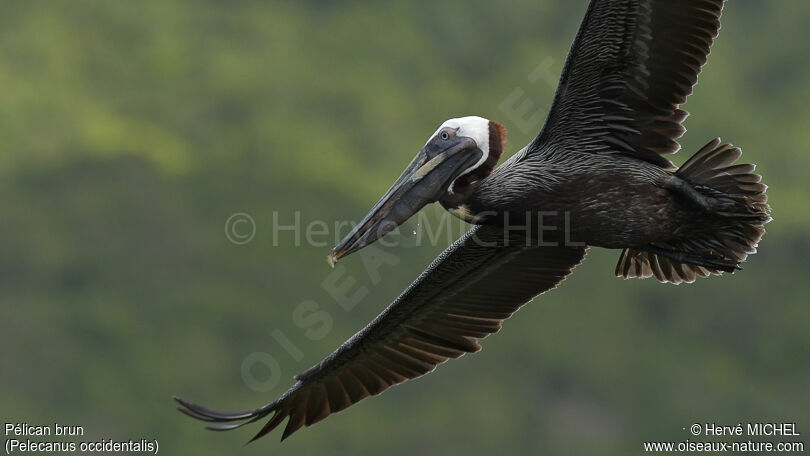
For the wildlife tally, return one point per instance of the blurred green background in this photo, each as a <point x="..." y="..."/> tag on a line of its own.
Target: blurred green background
<point x="131" y="131"/>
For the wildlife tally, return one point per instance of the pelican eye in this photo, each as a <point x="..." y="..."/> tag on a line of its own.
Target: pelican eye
<point x="444" y="135"/>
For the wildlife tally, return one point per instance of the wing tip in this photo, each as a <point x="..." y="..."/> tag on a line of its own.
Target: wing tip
<point x="225" y="420"/>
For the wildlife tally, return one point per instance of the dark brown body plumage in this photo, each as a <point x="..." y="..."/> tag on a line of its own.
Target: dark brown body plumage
<point x="615" y="201"/>
<point x="612" y="202"/>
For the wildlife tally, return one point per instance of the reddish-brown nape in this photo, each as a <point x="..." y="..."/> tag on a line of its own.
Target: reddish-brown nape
<point x="497" y="139"/>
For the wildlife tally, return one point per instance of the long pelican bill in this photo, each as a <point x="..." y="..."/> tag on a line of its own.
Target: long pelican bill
<point x="423" y="181"/>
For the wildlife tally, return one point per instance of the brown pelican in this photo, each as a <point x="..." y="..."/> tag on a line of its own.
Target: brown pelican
<point x="596" y="175"/>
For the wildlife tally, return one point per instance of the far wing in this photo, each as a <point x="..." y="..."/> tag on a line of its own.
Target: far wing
<point x="463" y="296"/>
<point x="632" y="64"/>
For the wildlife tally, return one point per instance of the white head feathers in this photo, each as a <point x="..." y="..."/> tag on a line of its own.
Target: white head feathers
<point x="473" y="127"/>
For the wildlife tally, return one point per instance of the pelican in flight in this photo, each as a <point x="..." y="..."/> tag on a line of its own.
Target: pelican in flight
<point x="596" y="175"/>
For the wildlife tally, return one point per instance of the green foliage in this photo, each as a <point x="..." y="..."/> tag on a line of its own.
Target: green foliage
<point x="132" y="131"/>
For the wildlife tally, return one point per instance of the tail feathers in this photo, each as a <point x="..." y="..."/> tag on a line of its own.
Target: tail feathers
<point x="634" y="263"/>
<point x="738" y="191"/>
<point x="720" y="238"/>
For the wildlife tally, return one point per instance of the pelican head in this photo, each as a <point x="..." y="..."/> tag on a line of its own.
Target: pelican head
<point x="460" y="153"/>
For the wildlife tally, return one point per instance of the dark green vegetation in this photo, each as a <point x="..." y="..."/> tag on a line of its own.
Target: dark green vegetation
<point x="131" y="132"/>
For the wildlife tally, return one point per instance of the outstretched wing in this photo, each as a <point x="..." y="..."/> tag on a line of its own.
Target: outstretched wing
<point x="463" y="296"/>
<point x="632" y="64"/>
